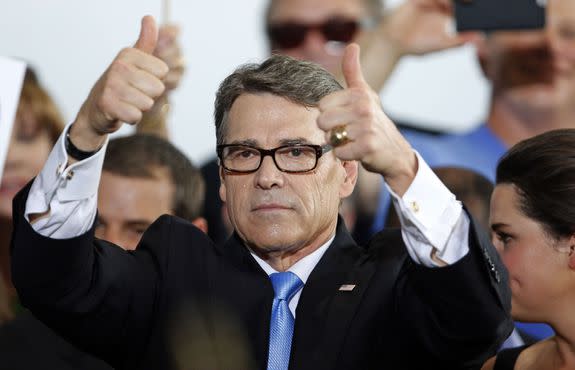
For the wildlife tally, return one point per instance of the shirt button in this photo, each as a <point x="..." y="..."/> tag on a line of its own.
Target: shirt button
<point x="414" y="206"/>
<point x="69" y="175"/>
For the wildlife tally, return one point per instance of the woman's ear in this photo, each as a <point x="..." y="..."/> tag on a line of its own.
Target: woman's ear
<point x="572" y="252"/>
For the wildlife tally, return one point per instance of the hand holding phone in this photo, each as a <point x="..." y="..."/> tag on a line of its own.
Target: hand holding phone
<point x="494" y="15"/>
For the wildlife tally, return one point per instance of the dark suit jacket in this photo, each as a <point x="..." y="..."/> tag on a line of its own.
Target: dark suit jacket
<point x="27" y="344"/>
<point x="127" y="307"/>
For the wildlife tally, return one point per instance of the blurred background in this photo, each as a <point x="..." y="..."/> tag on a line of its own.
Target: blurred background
<point x="71" y="42"/>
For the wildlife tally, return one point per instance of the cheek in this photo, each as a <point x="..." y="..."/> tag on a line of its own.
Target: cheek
<point x="508" y="260"/>
<point x="322" y="195"/>
<point x="235" y="195"/>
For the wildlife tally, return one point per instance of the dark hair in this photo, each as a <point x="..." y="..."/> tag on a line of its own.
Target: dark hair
<point x="301" y="82"/>
<point x="542" y="169"/>
<point x="140" y="155"/>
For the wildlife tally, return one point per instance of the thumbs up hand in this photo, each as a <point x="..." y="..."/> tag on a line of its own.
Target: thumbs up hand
<point x="126" y="89"/>
<point x="370" y="136"/>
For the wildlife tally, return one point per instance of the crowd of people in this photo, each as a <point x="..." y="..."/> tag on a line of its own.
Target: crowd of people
<point x="357" y="244"/>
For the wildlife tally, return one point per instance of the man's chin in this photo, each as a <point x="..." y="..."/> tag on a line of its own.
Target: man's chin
<point x="537" y="96"/>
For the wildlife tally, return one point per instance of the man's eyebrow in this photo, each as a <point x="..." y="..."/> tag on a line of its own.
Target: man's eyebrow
<point x="250" y="142"/>
<point x="282" y="142"/>
<point x="295" y="141"/>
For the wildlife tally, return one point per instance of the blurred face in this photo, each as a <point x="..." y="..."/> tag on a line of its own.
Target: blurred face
<point x="274" y="211"/>
<point x="537" y="68"/>
<point x="315" y="47"/>
<point x="29" y="148"/>
<point x="128" y="205"/>
<point x="538" y="265"/>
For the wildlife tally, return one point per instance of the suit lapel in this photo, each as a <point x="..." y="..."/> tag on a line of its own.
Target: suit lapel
<point x="325" y="311"/>
<point x="251" y="295"/>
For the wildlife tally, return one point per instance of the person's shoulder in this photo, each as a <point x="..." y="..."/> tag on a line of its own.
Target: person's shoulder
<point x="174" y="232"/>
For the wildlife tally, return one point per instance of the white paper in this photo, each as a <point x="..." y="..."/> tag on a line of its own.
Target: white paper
<point x="11" y="78"/>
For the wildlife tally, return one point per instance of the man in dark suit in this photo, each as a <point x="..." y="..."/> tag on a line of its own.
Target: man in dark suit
<point x="179" y="301"/>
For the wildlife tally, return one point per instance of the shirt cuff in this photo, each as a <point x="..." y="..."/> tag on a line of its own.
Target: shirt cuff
<point x="432" y="219"/>
<point x="78" y="181"/>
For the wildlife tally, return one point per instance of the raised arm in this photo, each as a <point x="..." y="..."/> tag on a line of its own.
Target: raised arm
<point x="377" y="144"/>
<point x="452" y="295"/>
<point x="95" y="294"/>
<point x="416" y="27"/>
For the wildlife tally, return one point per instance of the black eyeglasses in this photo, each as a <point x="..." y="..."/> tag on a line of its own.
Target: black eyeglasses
<point x="288" y="35"/>
<point x="296" y="158"/>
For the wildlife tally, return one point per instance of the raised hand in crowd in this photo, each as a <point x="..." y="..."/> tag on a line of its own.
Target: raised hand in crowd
<point x="415" y="27"/>
<point x="126" y="90"/>
<point x="370" y="136"/>
<point x="168" y="49"/>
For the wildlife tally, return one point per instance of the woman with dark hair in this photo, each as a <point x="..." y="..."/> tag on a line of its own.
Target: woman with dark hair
<point x="533" y="224"/>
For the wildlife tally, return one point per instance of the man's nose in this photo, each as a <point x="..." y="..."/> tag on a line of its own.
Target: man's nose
<point x="268" y="175"/>
<point x="111" y="235"/>
<point x="314" y="44"/>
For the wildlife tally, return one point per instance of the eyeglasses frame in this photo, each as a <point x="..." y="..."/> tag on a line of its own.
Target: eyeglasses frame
<point x="320" y="150"/>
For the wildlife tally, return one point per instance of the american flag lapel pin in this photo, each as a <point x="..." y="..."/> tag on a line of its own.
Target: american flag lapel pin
<point x="346" y="287"/>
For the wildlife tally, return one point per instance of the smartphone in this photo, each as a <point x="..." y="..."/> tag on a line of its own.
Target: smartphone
<point x="494" y="15"/>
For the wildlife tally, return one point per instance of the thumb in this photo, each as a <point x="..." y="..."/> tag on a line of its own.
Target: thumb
<point x="351" y="67"/>
<point x="148" y="35"/>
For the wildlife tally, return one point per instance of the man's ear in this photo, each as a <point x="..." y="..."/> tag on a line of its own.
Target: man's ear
<point x="351" y="169"/>
<point x="201" y="223"/>
<point x="222" y="185"/>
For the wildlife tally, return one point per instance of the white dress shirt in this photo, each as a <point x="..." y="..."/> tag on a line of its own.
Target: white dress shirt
<point x="430" y="216"/>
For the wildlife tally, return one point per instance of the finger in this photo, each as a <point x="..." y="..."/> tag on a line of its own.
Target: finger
<point x="146" y="83"/>
<point x="135" y="98"/>
<point x="346" y="98"/>
<point x="148" y="35"/>
<point x="336" y="117"/>
<point x="116" y="109"/>
<point x="168" y="32"/>
<point x="146" y="62"/>
<point x="351" y="67"/>
<point x="167" y="37"/>
<point x="349" y="151"/>
<point x="336" y="99"/>
<point x="172" y="56"/>
<point x="472" y="37"/>
<point x="173" y="79"/>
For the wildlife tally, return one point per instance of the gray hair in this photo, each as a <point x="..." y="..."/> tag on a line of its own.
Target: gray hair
<point x="303" y="83"/>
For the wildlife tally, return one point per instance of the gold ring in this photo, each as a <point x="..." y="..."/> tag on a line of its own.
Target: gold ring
<point x="338" y="136"/>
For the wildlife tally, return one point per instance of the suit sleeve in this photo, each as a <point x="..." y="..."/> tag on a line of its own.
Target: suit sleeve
<point x="93" y="293"/>
<point x="457" y="315"/>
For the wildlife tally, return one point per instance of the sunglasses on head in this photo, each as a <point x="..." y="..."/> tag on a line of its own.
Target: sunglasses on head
<point x="289" y="35"/>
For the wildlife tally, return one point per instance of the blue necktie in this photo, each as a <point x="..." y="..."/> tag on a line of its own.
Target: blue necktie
<point x="286" y="285"/>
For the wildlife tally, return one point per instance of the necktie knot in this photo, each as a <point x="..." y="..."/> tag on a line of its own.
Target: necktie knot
<point x="286" y="285"/>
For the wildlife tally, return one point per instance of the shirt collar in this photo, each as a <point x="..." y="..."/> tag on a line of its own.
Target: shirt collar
<point x="301" y="268"/>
